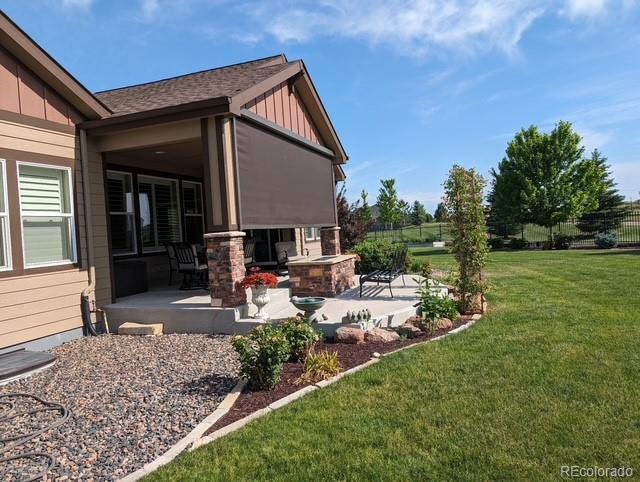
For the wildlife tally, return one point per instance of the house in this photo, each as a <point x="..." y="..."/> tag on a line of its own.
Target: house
<point x="93" y="184"/>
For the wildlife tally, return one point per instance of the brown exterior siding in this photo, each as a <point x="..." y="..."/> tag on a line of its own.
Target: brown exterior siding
<point x="23" y="92"/>
<point x="36" y="303"/>
<point x="284" y="107"/>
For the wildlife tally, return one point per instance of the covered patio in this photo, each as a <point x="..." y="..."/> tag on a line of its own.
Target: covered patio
<point x="191" y="311"/>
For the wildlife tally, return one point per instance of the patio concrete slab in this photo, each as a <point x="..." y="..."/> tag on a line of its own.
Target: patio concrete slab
<point x="191" y="311"/>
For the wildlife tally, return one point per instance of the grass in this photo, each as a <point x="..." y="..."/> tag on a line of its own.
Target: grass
<point x="551" y="377"/>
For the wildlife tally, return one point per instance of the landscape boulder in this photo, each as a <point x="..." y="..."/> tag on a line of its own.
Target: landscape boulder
<point x="381" y="335"/>
<point x="348" y="334"/>
<point x="444" y="324"/>
<point x="408" y="330"/>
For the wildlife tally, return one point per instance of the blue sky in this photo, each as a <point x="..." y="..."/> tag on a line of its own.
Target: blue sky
<point x="411" y="86"/>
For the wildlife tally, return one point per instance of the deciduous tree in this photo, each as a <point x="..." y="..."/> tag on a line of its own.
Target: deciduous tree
<point x="543" y="179"/>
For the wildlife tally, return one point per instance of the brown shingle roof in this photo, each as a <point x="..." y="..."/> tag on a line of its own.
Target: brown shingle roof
<point x="208" y="84"/>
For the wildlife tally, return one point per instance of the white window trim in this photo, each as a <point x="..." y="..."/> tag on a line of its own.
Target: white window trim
<point x="314" y="237"/>
<point x="6" y="228"/>
<point x="155" y="234"/>
<point x="71" y="215"/>
<point x="133" y="214"/>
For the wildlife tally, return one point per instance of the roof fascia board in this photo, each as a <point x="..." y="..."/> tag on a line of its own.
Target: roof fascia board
<point x="237" y="101"/>
<point x="305" y="87"/>
<point x="27" y="51"/>
<point x="202" y="108"/>
<point x="281" y="131"/>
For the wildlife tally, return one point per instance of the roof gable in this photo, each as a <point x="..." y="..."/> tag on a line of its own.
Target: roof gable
<point x="35" y="59"/>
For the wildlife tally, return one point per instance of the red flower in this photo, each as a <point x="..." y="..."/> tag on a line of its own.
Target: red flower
<point x="260" y="279"/>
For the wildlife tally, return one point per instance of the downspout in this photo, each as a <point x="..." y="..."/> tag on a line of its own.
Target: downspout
<point x="88" y="223"/>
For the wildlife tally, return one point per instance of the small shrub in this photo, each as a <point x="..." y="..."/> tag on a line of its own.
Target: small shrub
<point x="300" y="336"/>
<point x="562" y="241"/>
<point x="427" y="269"/>
<point x="262" y="354"/>
<point x="374" y="254"/>
<point x="320" y="366"/>
<point x="433" y="307"/>
<point x="606" y="240"/>
<point x="517" y="243"/>
<point x="496" y="243"/>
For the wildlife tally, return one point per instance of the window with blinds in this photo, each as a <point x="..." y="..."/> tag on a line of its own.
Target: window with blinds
<point x="311" y="234"/>
<point x="159" y="212"/>
<point x="193" y="213"/>
<point x="121" y="212"/>
<point x="47" y="215"/>
<point x="5" y="242"/>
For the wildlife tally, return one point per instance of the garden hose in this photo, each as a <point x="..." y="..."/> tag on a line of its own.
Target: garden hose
<point x="8" y="412"/>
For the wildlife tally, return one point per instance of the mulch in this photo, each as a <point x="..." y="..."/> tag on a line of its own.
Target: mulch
<point x="350" y="356"/>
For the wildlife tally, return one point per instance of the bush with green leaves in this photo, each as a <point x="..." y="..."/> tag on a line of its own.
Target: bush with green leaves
<point x="300" y="336"/>
<point x="374" y="254"/>
<point x="517" y="243"/>
<point x="562" y="241"/>
<point x="433" y="307"/>
<point x="262" y="354"/>
<point x="606" y="240"/>
<point x="496" y="243"/>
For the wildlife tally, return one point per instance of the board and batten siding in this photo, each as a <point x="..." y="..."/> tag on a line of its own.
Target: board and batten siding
<point x="284" y="107"/>
<point x="38" y="304"/>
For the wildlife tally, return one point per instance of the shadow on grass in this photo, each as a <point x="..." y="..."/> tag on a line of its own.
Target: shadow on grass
<point x="429" y="251"/>
<point x="609" y="252"/>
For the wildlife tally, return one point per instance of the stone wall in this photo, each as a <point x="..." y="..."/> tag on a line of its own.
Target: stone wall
<point x="327" y="280"/>
<point x="330" y="241"/>
<point x="225" y="257"/>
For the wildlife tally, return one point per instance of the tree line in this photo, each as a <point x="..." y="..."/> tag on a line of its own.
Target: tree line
<point x="545" y="178"/>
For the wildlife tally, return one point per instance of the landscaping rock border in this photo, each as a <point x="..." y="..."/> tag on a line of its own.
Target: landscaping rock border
<point x="195" y="439"/>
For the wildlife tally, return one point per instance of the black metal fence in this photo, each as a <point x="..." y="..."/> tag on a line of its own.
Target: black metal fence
<point x="581" y="232"/>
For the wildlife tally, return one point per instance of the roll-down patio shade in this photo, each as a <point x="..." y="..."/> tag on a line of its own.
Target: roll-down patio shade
<point x="282" y="183"/>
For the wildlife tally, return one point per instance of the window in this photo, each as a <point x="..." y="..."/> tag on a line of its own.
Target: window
<point x="311" y="234"/>
<point x="121" y="212"/>
<point x="5" y="242"/>
<point x="46" y="211"/>
<point x="159" y="212"/>
<point x="193" y="214"/>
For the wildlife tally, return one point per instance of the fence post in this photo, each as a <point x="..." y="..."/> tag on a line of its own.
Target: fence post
<point x="440" y="226"/>
<point x="420" y="232"/>
<point x="606" y="226"/>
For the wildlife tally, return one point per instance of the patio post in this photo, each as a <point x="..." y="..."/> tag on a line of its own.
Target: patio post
<point x="330" y="241"/>
<point x="225" y="257"/>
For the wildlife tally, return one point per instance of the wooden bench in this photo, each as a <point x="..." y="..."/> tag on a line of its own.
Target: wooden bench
<point x="387" y="276"/>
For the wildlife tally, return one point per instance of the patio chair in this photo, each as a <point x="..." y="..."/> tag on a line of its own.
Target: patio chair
<point x="285" y="252"/>
<point x="388" y="276"/>
<point x="249" y="252"/>
<point x="194" y="272"/>
<point x="173" y="261"/>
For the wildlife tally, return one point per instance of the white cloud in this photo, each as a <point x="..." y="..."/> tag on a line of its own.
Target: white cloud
<point x="627" y="175"/>
<point x="414" y="27"/>
<point x="82" y="4"/>
<point x="585" y="8"/>
<point x="149" y="8"/>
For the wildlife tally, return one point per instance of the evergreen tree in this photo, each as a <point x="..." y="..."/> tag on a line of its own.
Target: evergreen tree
<point x="441" y="213"/>
<point x="419" y="214"/>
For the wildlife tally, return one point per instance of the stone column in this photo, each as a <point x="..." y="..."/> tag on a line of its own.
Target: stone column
<point x="330" y="241"/>
<point x="225" y="256"/>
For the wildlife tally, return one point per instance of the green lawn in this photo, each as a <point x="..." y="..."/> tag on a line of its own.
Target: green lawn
<point x="551" y="377"/>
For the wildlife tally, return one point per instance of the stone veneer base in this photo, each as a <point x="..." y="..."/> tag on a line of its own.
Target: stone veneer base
<point x="324" y="276"/>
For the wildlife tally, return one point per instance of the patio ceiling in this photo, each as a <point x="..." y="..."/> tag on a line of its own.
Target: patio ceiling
<point x="184" y="158"/>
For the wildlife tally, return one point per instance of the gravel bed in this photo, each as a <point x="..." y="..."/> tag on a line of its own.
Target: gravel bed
<point x="131" y="398"/>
